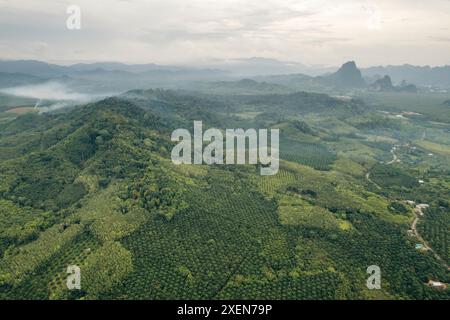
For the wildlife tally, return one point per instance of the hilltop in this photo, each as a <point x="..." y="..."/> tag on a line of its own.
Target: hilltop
<point x="348" y="76"/>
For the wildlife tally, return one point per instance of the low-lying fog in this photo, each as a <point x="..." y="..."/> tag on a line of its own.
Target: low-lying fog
<point x="52" y="95"/>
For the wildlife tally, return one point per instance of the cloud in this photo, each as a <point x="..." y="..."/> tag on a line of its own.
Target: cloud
<point x="374" y="20"/>
<point x="179" y="31"/>
<point x="440" y="39"/>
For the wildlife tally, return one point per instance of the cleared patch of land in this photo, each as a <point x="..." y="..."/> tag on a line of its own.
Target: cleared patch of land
<point x="434" y="147"/>
<point x="20" y="110"/>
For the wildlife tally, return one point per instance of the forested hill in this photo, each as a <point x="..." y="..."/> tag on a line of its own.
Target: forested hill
<point x="45" y="153"/>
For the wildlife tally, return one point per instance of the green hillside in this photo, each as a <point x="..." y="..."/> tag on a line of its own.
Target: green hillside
<point x="95" y="187"/>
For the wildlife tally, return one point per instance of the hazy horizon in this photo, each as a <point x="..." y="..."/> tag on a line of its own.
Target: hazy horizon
<point x="200" y="32"/>
<point x="218" y="62"/>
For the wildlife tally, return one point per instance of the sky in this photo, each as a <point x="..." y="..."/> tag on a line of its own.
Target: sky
<point x="319" y="32"/>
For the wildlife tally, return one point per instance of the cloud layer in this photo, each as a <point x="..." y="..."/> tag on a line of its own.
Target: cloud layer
<point x="197" y="31"/>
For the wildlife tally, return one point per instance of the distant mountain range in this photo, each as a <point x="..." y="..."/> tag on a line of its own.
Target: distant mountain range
<point x="231" y="67"/>
<point x="114" y="77"/>
<point x="110" y="76"/>
<point x="385" y="85"/>
<point x="104" y="77"/>
<point x="423" y="76"/>
<point x="252" y="67"/>
<point x="43" y="69"/>
<point x="18" y="79"/>
<point x="348" y="76"/>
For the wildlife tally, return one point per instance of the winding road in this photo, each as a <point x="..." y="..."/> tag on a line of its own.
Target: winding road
<point x="371" y="181"/>
<point x="394" y="157"/>
<point x="418" y="212"/>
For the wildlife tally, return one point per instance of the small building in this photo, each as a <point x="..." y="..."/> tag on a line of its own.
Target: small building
<point x="419" y="246"/>
<point x="423" y="206"/>
<point x="437" y="284"/>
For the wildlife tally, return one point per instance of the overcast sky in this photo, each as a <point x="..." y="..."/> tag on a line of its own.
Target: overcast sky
<point x="325" y="32"/>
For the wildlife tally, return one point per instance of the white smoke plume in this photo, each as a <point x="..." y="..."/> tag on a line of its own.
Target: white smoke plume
<point x="59" y="94"/>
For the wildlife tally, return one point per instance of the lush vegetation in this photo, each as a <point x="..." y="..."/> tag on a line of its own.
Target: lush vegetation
<point x="95" y="187"/>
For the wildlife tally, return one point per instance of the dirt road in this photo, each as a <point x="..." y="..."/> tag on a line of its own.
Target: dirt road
<point x="418" y="212"/>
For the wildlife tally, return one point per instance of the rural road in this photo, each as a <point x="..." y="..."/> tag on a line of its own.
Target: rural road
<point x="418" y="212"/>
<point x="394" y="156"/>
